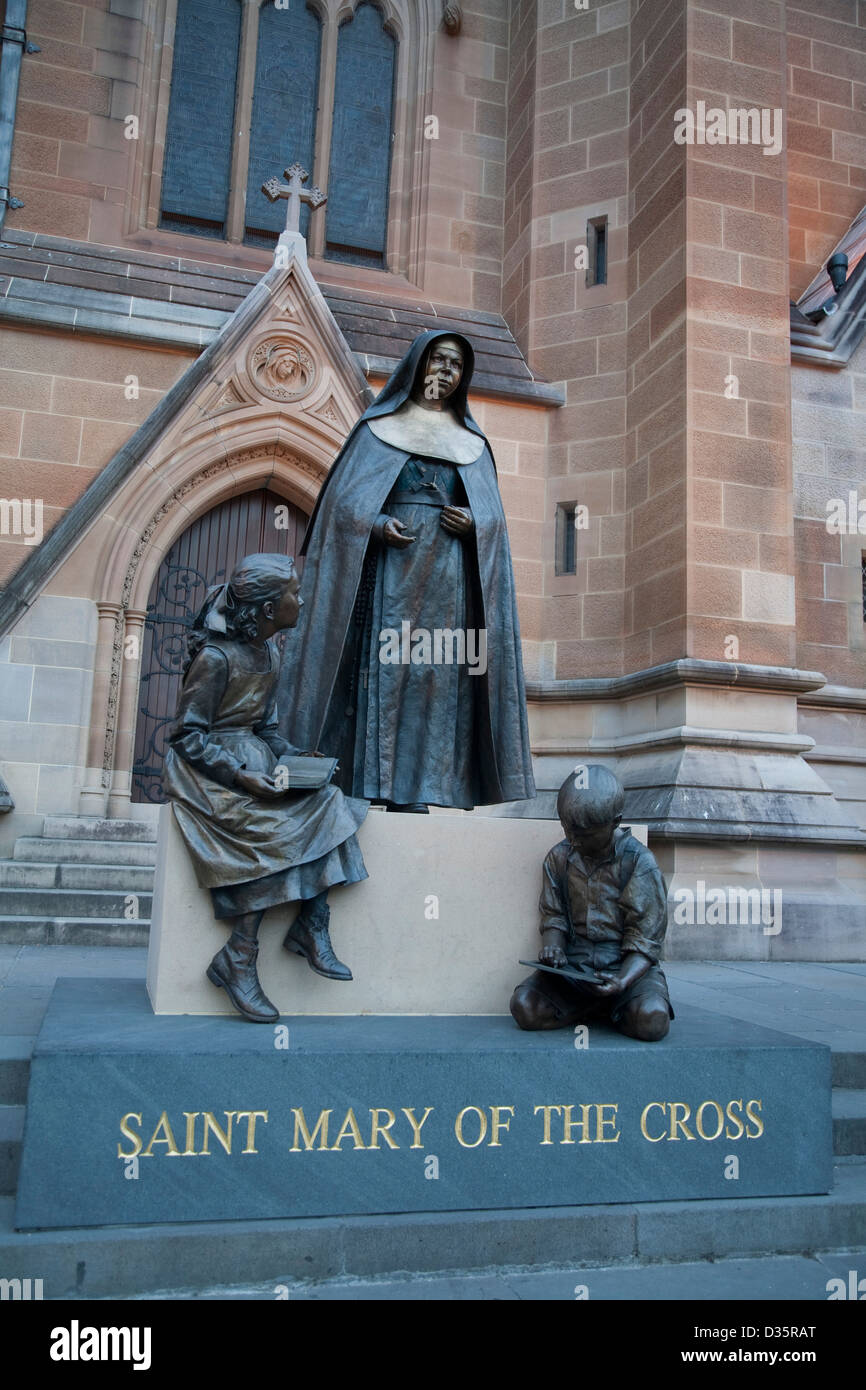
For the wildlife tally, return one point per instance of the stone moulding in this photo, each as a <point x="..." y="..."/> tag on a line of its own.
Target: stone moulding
<point x="698" y="782"/>
<point x="729" y="794"/>
<point x="841" y="696"/>
<point x="687" y="734"/>
<point x="686" y="671"/>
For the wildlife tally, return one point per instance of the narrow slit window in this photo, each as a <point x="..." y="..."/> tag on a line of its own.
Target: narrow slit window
<point x="566" y="538"/>
<point x="198" y="145"/>
<point x="596" y="241"/>
<point x="863" y="581"/>
<point x="358" y="181"/>
<point x="285" y="99"/>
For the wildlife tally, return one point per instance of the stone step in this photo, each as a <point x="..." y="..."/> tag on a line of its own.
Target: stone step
<point x="11" y="1134"/>
<point x="71" y="902"/>
<point x="123" y="1261"/>
<point x="119" y="878"/>
<point x="849" y="1122"/>
<point x="91" y="828"/>
<point x="15" y="1052"/>
<point x="849" y="1070"/>
<point x="35" y="849"/>
<point x="73" y="931"/>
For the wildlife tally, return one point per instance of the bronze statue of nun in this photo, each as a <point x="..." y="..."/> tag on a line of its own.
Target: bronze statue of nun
<point x="410" y="641"/>
<point x="256" y="841"/>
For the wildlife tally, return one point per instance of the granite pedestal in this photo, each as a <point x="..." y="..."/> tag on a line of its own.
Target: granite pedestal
<point x="134" y="1118"/>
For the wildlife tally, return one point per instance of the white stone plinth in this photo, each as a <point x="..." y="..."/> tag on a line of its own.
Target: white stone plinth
<point x="485" y="872"/>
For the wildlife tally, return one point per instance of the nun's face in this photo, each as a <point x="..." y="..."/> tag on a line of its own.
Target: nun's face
<point x="442" y="371"/>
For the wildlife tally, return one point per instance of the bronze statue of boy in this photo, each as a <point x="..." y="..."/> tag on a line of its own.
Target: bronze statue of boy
<point x="603" y="919"/>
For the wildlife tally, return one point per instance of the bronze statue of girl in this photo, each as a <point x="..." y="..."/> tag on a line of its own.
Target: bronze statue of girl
<point x="255" y="841"/>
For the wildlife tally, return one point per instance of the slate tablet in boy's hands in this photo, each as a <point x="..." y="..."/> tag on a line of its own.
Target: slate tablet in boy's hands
<point x="581" y="975"/>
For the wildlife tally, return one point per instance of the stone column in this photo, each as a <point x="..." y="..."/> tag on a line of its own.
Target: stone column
<point x="236" y="218"/>
<point x="324" y="127"/>
<point x="93" y="792"/>
<point x="740" y="564"/>
<point x="124" y="738"/>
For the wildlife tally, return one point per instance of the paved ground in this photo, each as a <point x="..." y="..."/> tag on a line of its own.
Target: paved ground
<point x="786" y="1278"/>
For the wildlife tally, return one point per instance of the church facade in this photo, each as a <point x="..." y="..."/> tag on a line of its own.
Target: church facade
<point x="629" y="208"/>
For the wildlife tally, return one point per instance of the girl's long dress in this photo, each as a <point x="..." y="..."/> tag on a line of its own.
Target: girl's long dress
<point x="252" y="854"/>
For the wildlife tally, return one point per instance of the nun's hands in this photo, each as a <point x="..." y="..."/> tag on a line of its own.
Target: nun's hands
<point x="457" y="521"/>
<point x="394" y="533"/>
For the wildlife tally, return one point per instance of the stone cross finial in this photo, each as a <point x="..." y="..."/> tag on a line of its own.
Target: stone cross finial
<point x="295" y="193"/>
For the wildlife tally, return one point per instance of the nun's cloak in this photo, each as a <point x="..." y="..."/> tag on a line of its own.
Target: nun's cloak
<point x="410" y="731"/>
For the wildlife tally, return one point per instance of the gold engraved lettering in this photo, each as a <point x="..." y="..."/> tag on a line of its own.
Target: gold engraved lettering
<point x="653" y="1105"/>
<point x="756" y="1119"/>
<point x="680" y="1123"/>
<point x="699" y="1118"/>
<point x="735" y="1119"/>
<point x="211" y="1127"/>
<point x="348" y="1127"/>
<point x="128" y="1134"/>
<point x="251" y="1116"/>
<point x="377" y="1128"/>
<point x="601" y="1123"/>
<point x="548" y="1111"/>
<point x="496" y="1124"/>
<point x="417" y="1125"/>
<point x="482" y="1126"/>
<point x="172" y="1151"/>
<point x="310" y="1139"/>
<point x="568" y="1124"/>
<point x="190" y="1116"/>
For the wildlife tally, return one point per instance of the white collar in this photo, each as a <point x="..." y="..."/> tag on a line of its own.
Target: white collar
<point x="429" y="433"/>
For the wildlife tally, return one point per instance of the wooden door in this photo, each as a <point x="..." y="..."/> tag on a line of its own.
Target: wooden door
<point x="205" y="554"/>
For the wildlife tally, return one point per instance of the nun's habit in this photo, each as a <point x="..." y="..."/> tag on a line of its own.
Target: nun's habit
<point x="423" y="730"/>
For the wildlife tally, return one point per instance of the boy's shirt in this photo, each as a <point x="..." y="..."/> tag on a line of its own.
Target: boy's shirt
<point x="614" y="906"/>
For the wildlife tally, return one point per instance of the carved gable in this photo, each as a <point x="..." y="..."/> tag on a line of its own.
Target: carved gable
<point x="272" y="398"/>
<point x="288" y="375"/>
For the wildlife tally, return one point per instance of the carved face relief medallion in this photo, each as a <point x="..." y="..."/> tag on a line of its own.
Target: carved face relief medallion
<point x="282" y="369"/>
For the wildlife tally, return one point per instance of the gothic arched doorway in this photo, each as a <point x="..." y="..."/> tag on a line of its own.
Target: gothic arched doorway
<point x="205" y="554"/>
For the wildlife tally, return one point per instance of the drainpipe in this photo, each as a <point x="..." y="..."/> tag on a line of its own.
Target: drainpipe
<point x="15" y="43"/>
